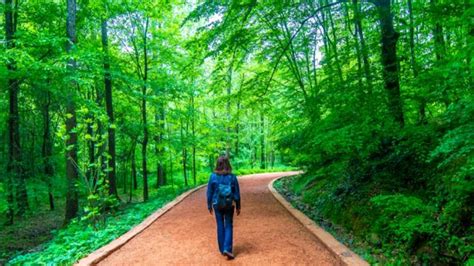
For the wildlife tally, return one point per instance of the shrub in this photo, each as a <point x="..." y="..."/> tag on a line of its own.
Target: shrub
<point x="403" y="221"/>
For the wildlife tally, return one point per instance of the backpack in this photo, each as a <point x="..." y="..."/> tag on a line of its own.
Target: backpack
<point x="224" y="197"/>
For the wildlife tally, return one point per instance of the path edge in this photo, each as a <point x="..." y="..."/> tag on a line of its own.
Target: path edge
<point x="103" y="252"/>
<point x="337" y="249"/>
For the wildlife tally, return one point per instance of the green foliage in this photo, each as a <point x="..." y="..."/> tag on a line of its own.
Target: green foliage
<point x="248" y="171"/>
<point x="80" y="238"/>
<point x="98" y="203"/>
<point x="403" y="220"/>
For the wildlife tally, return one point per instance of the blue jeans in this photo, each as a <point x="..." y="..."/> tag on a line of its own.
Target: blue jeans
<point x="224" y="229"/>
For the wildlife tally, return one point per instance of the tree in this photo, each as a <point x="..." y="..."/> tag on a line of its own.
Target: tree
<point x="144" y="113"/>
<point x="160" y="169"/>
<point x="15" y="168"/>
<point x="110" y="111"/>
<point x="47" y="147"/>
<point x="72" y="198"/>
<point x="389" y="38"/>
<point x="262" y="142"/>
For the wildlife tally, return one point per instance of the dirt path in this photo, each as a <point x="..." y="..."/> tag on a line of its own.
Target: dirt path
<point x="265" y="233"/>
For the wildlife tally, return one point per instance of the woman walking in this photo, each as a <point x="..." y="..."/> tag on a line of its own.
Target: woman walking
<point x="222" y="192"/>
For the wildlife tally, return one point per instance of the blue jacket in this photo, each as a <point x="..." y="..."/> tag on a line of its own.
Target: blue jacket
<point x="215" y="180"/>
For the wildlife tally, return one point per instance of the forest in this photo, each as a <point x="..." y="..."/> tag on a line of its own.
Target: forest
<point x="111" y="108"/>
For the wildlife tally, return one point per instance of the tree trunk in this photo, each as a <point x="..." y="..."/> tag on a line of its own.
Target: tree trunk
<point x="193" y="132"/>
<point x="144" y="147"/>
<point x="131" y="182"/>
<point x="160" y="170"/>
<point x="237" y="127"/>
<point x="30" y="171"/>
<point x="144" y="115"/>
<point x="253" y="156"/>
<point x="271" y="153"/>
<point x="389" y="38"/>
<point x="440" y="49"/>
<point x="254" y="150"/>
<point x="134" y="167"/>
<point x="15" y="167"/>
<point x="358" y="51"/>
<point x="439" y="44"/>
<point x="414" y="66"/>
<point x="111" y="174"/>
<point x="334" y="45"/>
<point x="469" y="40"/>
<point x="229" y="92"/>
<point x="161" y="173"/>
<point x="156" y="138"/>
<point x="72" y="200"/>
<point x="363" y="47"/>
<point x="47" y="149"/>
<point x="184" y="156"/>
<point x="326" y="44"/>
<point x="262" y="142"/>
<point x="171" y="171"/>
<point x="194" y="172"/>
<point x="237" y="122"/>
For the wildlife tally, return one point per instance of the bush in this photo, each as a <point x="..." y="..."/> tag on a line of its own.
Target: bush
<point x="405" y="222"/>
<point x="404" y="196"/>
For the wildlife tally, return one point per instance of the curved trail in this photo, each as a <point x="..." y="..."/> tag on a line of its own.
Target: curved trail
<point x="264" y="233"/>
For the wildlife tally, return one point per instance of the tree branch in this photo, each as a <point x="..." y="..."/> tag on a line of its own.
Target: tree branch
<point x="302" y="23"/>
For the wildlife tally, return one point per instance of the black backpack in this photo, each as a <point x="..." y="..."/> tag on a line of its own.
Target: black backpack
<point x="224" y="197"/>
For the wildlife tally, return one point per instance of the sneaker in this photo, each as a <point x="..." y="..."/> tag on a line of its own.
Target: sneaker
<point x="229" y="255"/>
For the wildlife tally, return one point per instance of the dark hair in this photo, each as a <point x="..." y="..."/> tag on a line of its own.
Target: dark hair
<point x="223" y="166"/>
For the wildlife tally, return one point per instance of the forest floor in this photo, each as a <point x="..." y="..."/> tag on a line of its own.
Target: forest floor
<point x="29" y="232"/>
<point x="264" y="233"/>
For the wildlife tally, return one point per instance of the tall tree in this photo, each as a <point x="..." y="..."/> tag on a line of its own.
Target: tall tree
<point x="144" y="111"/>
<point x="111" y="173"/>
<point x="439" y="42"/>
<point x="142" y="24"/>
<point x="363" y="45"/>
<point x="193" y="135"/>
<point x="184" y="152"/>
<point x="15" y="171"/>
<point x="159" y="151"/>
<point x="72" y="199"/>
<point x="228" y="110"/>
<point x="413" y="62"/>
<point x="389" y="38"/>
<point x="47" y="147"/>
<point x="439" y="47"/>
<point x="262" y="142"/>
